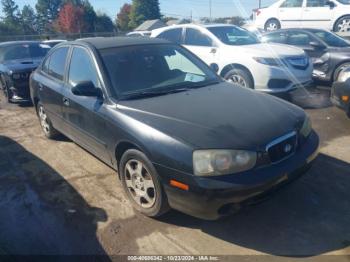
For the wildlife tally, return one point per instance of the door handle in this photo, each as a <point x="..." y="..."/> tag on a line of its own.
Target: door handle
<point x="66" y="101"/>
<point x="213" y="51"/>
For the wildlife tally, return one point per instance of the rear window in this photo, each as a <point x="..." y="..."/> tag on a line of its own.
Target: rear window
<point x="23" y="51"/>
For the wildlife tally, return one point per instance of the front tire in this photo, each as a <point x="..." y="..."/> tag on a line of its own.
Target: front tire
<point x="239" y="77"/>
<point x="339" y="69"/>
<point x="142" y="184"/>
<point x="343" y="24"/>
<point x="46" y="125"/>
<point x="272" y="25"/>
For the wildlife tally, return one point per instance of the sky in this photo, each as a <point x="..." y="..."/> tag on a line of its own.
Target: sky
<point x="181" y="8"/>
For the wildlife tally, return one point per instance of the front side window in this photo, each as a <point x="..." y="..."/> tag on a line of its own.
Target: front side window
<point x="330" y="39"/>
<point x="154" y="69"/>
<point x="172" y="35"/>
<point x="344" y="2"/>
<point x="299" y="38"/>
<point x="317" y="3"/>
<point x="23" y="51"/>
<point x="82" y="68"/>
<point x="232" y="35"/>
<point x="292" y="3"/>
<point x="197" y="38"/>
<point x="57" y="63"/>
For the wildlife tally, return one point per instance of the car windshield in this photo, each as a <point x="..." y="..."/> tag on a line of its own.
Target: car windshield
<point x="344" y="2"/>
<point x="23" y="51"/>
<point x="331" y="39"/>
<point x="232" y="35"/>
<point x="155" y="70"/>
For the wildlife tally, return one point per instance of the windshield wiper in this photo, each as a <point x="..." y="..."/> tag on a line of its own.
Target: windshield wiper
<point x="146" y="94"/>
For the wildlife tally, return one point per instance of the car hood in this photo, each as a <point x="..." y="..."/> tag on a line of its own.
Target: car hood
<point x="218" y="116"/>
<point x="271" y="50"/>
<point x="22" y="64"/>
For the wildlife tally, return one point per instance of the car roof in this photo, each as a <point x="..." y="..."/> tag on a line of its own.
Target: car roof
<point x="111" y="42"/>
<point x="19" y="43"/>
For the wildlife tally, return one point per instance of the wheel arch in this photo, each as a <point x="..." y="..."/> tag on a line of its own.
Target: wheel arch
<point x="272" y="18"/>
<point x="229" y="67"/>
<point x="337" y="66"/>
<point x="121" y="148"/>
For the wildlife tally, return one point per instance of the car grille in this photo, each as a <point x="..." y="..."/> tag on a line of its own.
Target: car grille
<point x="282" y="147"/>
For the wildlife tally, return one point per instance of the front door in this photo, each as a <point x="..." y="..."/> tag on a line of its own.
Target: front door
<point x="317" y="14"/>
<point x="201" y="45"/>
<point x="84" y="114"/>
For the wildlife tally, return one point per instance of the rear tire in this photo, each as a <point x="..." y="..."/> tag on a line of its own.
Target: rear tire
<point x="240" y="77"/>
<point x="46" y="125"/>
<point x="7" y="92"/>
<point x="142" y="185"/>
<point x="272" y="25"/>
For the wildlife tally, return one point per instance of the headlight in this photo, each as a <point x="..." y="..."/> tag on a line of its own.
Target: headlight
<point x="344" y="75"/>
<point x="222" y="162"/>
<point x="306" y="128"/>
<point x="268" y="61"/>
<point x="16" y="76"/>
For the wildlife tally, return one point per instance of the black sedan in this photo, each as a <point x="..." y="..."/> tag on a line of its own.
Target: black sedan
<point x="17" y="61"/>
<point x="341" y="91"/>
<point x="179" y="135"/>
<point x="329" y="52"/>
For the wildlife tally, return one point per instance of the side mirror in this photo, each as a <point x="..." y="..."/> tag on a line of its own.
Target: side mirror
<point x="86" y="88"/>
<point x="331" y="4"/>
<point x="317" y="45"/>
<point x="214" y="67"/>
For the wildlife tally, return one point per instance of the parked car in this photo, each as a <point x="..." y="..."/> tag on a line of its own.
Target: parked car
<point x="326" y="14"/>
<point x="53" y="42"/>
<point x="178" y="134"/>
<point x="239" y="56"/>
<point x="329" y="52"/>
<point x="139" y="34"/>
<point x="17" y="61"/>
<point x="341" y="91"/>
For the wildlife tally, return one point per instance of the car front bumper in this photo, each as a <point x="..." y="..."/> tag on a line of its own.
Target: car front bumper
<point x="212" y="198"/>
<point x="339" y="92"/>
<point x="272" y="79"/>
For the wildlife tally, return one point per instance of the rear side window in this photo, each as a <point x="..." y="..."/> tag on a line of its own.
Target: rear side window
<point x="317" y="3"/>
<point x="82" y="68"/>
<point x="197" y="38"/>
<point x="172" y="35"/>
<point x="57" y="63"/>
<point x="299" y="38"/>
<point x="280" y="38"/>
<point x="292" y="3"/>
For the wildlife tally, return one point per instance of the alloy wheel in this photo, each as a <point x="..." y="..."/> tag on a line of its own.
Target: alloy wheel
<point x="140" y="183"/>
<point x="44" y="120"/>
<point x="272" y="26"/>
<point x="344" y="26"/>
<point x="237" y="79"/>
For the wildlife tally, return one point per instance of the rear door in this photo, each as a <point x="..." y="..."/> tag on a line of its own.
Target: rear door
<point x="201" y="45"/>
<point x="317" y="14"/>
<point x="85" y="114"/>
<point x="50" y="83"/>
<point x="290" y="13"/>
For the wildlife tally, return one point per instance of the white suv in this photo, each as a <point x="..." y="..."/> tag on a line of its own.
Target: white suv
<point x="325" y="14"/>
<point x="239" y="57"/>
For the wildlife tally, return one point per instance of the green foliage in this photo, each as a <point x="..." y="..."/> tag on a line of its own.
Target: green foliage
<point x="47" y="12"/>
<point x="10" y="11"/>
<point x="104" y="23"/>
<point x="28" y="20"/>
<point x="143" y="10"/>
<point x="89" y="16"/>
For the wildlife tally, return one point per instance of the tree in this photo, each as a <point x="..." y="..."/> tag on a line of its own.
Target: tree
<point x="47" y="12"/>
<point x="89" y="16"/>
<point x="28" y="20"/>
<point x="143" y="10"/>
<point x="11" y="12"/>
<point x="70" y="19"/>
<point x="104" y="23"/>
<point x="123" y="19"/>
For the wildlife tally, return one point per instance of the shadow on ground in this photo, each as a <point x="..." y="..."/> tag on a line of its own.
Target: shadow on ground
<point x="312" y="98"/>
<point x="41" y="213"/>
<point x="308" y="218"/>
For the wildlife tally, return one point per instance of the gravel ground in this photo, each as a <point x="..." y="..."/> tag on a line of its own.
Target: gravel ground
<point x="55" y="198"/>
